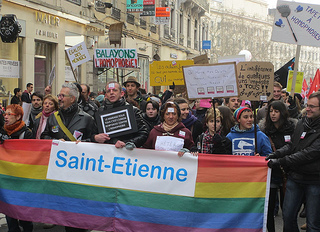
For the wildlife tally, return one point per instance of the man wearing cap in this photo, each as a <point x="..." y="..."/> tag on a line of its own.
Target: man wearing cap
<point x="132" y="92"/>
<point x="114" y="99"/>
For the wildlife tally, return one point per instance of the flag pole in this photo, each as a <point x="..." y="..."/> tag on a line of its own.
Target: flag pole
<point x="295" y="70"/>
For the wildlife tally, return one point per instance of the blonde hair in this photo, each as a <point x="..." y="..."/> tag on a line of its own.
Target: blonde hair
<point x="210" y="114"/>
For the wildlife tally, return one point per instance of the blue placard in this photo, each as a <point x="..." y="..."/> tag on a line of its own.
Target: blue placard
<point x="206" y="44"/>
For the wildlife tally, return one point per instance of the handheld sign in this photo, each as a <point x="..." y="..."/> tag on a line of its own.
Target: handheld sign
<point x="115" y="58"/>
<point x="166" y="72"/>
<point x="255" y="80"/>
<point x="211" y="81"/>
<point x="299" y="80"/>
<point x="78" y="55"/>
<point x="117" y="121"/>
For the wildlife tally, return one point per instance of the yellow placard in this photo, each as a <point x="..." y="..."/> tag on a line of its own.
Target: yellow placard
<point x="166" y="72"/>
<point x="299" y="80"/>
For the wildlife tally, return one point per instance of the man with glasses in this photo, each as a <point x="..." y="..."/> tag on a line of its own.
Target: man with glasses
<point x="80" y="124"/>
<point x="302" y="159"/>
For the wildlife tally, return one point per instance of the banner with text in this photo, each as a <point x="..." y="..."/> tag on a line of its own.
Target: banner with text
<point x="115" y="58"/>
<point x="166" y="72"/>
<point x="297" y="23"/>
<point x="134" y="6"/>
<point x="211" y="81"/>
<point x="255" y="80"/>
<point x="239" y="182"/>
<point x="9" y="68"/>
<point x="78" y="54"/>
<point x="299" y="81"/>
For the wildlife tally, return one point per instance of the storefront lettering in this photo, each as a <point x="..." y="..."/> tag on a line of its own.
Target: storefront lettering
<point x="48" y="34"/>
<point x="47" y="19"/>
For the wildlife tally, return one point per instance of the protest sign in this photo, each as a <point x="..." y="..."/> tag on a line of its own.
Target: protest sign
<point x="167" y="72"/>
<point x="239" y="182"/>
<point x="299" y="81"/>
<point x="255" y="80"/>
<point x="210" y="81"/>
<point x="202" y="59"/>
<point x="235" y="58"/>
<point x="117" y="121"/>
<point x="297" y="23"/>
<point x="78" y="55"/>
<point x="115" y="58"/>
<point x="169" y="143"/>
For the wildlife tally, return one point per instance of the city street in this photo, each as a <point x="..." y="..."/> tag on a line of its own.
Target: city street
<point x="39" y="227"/>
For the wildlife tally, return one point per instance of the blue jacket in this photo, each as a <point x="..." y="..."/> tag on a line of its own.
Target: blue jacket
<point x="243" y="142"/>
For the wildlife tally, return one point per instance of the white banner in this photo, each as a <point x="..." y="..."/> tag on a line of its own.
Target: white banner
<point x="78" y="54"/>
<point x="297" y="23"/>
<point x="139" y="169"/>
<point x="9" y="68"/>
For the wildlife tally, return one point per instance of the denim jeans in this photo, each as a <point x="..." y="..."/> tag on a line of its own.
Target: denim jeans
<point x="292" y="202"/>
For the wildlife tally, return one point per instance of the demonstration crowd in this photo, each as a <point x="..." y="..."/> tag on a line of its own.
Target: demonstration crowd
<point x="288" y="134"/>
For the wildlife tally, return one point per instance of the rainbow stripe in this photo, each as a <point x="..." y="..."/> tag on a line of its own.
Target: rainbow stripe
<point x="229" y="196"/>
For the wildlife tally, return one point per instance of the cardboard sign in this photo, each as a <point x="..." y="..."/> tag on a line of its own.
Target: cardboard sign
<point x="210" y="81"/>
<point x="297" y="23"/>
<point x="115" y="58"/>
<point x="202" y="59"/>
<point x="299" y="81"/>
<point x="78" y="55"/>
<point x="166" y="72"/>
<point x="255" y="80"/>
<point x="117" y="121"/>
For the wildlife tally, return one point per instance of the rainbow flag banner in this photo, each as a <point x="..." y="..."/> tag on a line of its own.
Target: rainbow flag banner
<point x="99" y="187"/>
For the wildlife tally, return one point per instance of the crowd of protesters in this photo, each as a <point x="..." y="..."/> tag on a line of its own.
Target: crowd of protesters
<point x="287" y="133"/>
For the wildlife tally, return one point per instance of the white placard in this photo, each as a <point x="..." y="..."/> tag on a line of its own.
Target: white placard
<point x="235" y="58"/>
<point x="139" y="169"/>
<point x="9" y="68"/>
<point x="168" y="143"/>
<point x="297" y="23"/>
<point x="26" y="112"/>
<point x="78" y="54"/>
<point x="210" y="81"/>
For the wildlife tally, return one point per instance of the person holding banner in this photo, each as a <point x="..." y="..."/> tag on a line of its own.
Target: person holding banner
<point x="171" y="134"/>
<point x="302" y="158"/>
<point x="15" y="128"/>
<point x="212" y="141"/>
<point x="279" y="128"/>
<point x="243" y="137"/>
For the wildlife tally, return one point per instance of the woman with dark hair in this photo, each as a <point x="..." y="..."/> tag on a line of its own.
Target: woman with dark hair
<point x="279" y="128"/>
<point x="171" y="126"/>
<point x="151" y="116"/>
<point x="228" y="121"/>
<point x="49" y="106"/>
<point x="15" y="128"/>
<point x="188" y="119"/>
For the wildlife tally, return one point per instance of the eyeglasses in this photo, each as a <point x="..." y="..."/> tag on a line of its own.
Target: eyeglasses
<point x="311" y="106"/>
<point x="62" y="95"/>
<point x="5" y="114"/>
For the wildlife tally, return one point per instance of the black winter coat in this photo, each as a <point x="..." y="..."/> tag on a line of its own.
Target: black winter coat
<point x="139" y="137"/>
<point x="27" y="134"/>
<point x="302" y="156"/>
<point x="151" y="122"/>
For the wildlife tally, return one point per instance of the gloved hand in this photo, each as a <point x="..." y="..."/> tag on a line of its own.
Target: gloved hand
<point x="130" y="145"/>
<point x="291" y="101"/>
<point x="271" y="156"/>
<point x="172" y="86"/>
<point x="274" y="163"/>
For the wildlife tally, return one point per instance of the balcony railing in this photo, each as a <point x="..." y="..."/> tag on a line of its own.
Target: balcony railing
<point x="189" y="42"/>
<point x="173" y="33"/>
<point x="130" y="18"/>
<point x="153" y="29"/>
<point x="166" y="31"/>
<point x="116" y="13"/>
<point x="196" y="45"/>
<point x="181" y="39"/>
<point x="143" y="24"/>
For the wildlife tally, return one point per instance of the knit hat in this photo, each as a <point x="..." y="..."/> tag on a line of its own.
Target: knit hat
<point x="237" y="113"/>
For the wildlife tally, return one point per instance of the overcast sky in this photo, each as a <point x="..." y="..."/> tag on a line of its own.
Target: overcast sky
<point x="273" y="3"/>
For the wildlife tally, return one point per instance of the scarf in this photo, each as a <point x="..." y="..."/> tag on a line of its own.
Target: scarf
<point x="43" y="121"/>
<point x="35" y="111"/>
<point x="10" y="129"/>
<point x="237" y="129"/>
<point x="168" y="128"/>
<point x="189" y="121"/>
<point x="68" y="113"/>
<point x="310" y="123"/>
<point x="109" y="105"/>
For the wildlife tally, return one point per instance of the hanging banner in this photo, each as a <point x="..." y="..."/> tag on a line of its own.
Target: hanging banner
<point x="9" y="68"/>
<point x="297" y="23"/>
<point x="134" y="6"/>
<point x="162" y="15"/>
<point x="166" y="72"/>
<point x="115" y="58"/>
